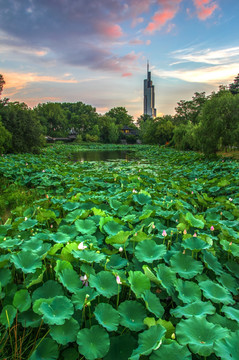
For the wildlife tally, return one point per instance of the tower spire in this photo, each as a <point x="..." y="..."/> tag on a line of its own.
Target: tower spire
<point x="147" y="66"/>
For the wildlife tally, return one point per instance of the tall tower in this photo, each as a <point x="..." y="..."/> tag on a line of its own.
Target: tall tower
<point x="149" y="97"/>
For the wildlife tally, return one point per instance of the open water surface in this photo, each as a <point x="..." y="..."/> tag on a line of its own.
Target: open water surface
<point x="103" y="155"/>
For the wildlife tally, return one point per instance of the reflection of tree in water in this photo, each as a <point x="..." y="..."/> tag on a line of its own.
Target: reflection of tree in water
<point x="104" y="155"/>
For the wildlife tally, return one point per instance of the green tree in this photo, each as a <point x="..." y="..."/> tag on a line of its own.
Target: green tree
<point x="120" y="116"/>
<point x="147" y="131"/>
<point x="5" y="139"/>
<point x="2" y="82"/>
<point x="53" y="119"/>
<point x="164" y="130"/>
<point x="109" y="131"/>
<point x="234" y="87"/>
<point x="188" y="111"/>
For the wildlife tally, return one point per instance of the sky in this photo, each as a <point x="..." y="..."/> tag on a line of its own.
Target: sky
<point x="96" y="51"/>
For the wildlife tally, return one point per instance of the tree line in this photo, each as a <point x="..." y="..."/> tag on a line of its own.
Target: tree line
<point x="204" y="123"/>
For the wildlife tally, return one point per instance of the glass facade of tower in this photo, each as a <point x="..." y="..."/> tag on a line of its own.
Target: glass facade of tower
<point x="149" y="97"/>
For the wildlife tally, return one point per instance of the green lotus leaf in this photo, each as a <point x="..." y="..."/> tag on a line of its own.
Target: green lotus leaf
<point x="148" y="341"/>
<point x="193" y="221"/>
<point x="38" y="302"/>
<point x="217" y="319"/>
<point x="27" y="261"/>
<point x="61" y="265"/>
<point x="86" y="226"/>
<point x="105" y="283"/>
<point x="185" y="265"/>
<point x="5" y="276"/>
<point x="229" y="282"/>
<point x="46" y="349"/>
<point x="140" y="236"/>
<point x="70" y="230"/>
<point x="60" y="238"/>
<point x="171" y="351"/>
<point x="132" y="315"/>
<point x="93" y="343"/>
<point x="170" y="329"/>
<point x="8" y="315"/>
<point x="231" y="313"/>
<point x="74" y="215"/>
<point x="37" y="247"/>
<point x="58" y="311"/>
<point x="114" y="204"/>
<point x="28" y="224"/>
<point x="153" y="304"/>
<point x="215" y="292"/>
<point x="63" y="334"/>
<point x="150" y="275"/>
<point x="197" y="308"/>
<point x="70" y="206"/>
<point x="116" y="262"/>
<point x="148" y="251"/>
<point x="22" y="300"/>
<point x="121" y="347"/>
<point x="167" y="278"/>
<point x="199" y="334"/>
<point x="4" y="229"/>
<point x="107" y="316"/>
<point x="55" y="248"/>
<point x="48" y="290"/>
<point x="188" y="291"/>
<point x="82" y="296"/>
<point x="29" y="319"/>
<point x="212" y="263"/>
<point x="89" y="256"/>
<point x="119" y="238"/>
<point x="228" y="348"/>
<point x="70" y="280"/>
<point x="112" y="228"/>
<point x="195" y="244"/>
<point x="142" y="199"/>
<point x="10" y="243"/>
<point x="139" y="282"/>
<point x="230" y="247"/>
<point x="233" y="267"/>
<point x="70" y="353"/>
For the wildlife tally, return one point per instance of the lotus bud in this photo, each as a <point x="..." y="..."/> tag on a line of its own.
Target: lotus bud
<point x="173" y="336"/>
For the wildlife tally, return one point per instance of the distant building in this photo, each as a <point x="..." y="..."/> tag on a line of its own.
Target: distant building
<point x="149" y="97"/>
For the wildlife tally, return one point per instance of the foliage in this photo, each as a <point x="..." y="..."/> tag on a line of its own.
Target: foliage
<point x="188" y="111"/>
<point x="5" y="138"/>
<point x="147" y="247"/>
<point x="234" y="87"/>
<point x="2" y="82"/>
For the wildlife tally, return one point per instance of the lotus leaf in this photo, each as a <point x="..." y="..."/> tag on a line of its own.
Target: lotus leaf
<point x="150" y="275"/>
<point x="223" y="321"/>
<point x="229" y="282"/>
<point x="170" y="329"/>
<point x="215" y="292"/>
<point x="60" y="238"/>
<point x="63" y="334"/>
<point x="228" y="348"/>
<point x="105" y="283"/>
<point x="212" y="262"/>
<point x="28" y="224"/>
<point x="8" y="315"/>
<point x="58" y="311"/>
<point x="61" y="265"/>
<point x="148" y="251"/>
<point x="199" y="334"/>
<point x="231" y="313"/>
<point x="88" y="256"/>
<point x="46" y="349"/>
<point x="148" y="341"/>
<point x="195" y="244"/>
<point x="112" y="228"/>
<point x="171" y="351"/>
<point x="193" y="221"/>
<point x="70" y="230"/>
<point x="139" y="282"/>
<point x="70" y="354"/>
<point x="116" y="262"/>
<point x="29" y="319"/>
<point x="70" y="280"/>
<point x="82" y="296"/>
<point x="188" y="291"/>
<point x="107" y="316"/>
<point x="22" y="300"/>
<point x="86" y="226"/>
<point x="121" y="347"/>
<point x="153" y="304"/>
<point x="48" y="290"/>
<point x="27" y="261"/>
<point x="4" y="229"/>
<point x="115" y="204"/>
<point x="5" y="276"/>
<point x="132" y="314"/>
<point x="233" y="267"/>
<point x="185" y="265"/>
<point x="197" y="308"/>
<point x="94" y="343"/>
<point x="69" y="206"/>
<point x="10" y="243"/>
<point x="38" y="302"/>
<point x="119" y="238"/>
<point x="167" y="278"/>
<point x="142" y="199"/>
<point x="230" y="247"/>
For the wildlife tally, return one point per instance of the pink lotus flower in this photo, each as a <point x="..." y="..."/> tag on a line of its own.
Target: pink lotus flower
<point x="84" y="279"/>
<point x="81" y="246"/>
<point x="211" y="228"/>
<point x="185" y="231"/>
<point x="195" y="235"/>
<point x="120" y="249"/>
<point x="164" y="233"/>
<point x="118" y="280"/>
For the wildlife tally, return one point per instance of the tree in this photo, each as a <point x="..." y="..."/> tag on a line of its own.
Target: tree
<point x="188" y="111"/>
<point x="121" y="116"/>
<point x="2" y="82"/>
<point x="164" y="130"/>
<point x="53" y="119"/>
<point x="234" y="87"/>
<point x="5" y="138"/>
<point x="109" y="131"/>
<point x="219" y="122"/>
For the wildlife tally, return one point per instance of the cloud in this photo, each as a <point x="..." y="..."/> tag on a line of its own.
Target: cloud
<point x="205" y="8"/>
<point x="126" y="74"/>
<point x="167" y="11"/>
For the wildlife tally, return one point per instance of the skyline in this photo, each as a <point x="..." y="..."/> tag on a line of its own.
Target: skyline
<point x="96" y="52"/>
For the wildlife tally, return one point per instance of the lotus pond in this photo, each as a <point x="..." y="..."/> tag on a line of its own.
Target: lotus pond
<point x="120" y="260"/>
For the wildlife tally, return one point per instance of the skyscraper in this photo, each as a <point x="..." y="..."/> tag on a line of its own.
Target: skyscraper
<point x="149" y="97"/>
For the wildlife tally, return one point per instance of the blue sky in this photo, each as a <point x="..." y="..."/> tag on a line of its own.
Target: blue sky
<point x="96" y="51"/>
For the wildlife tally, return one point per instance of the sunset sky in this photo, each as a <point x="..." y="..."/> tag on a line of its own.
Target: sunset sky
<point x="96" y="51"/>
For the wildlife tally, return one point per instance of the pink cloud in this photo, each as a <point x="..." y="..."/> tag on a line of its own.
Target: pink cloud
<point x="126" y="74"/>
<point x="136" y="42"/>
<point x="112" y="31"/>
<point x="168" y="10"/>
<point x="205" y="8"/>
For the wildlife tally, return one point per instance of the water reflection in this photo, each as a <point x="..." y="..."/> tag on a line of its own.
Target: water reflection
<point x="103" y="155"/>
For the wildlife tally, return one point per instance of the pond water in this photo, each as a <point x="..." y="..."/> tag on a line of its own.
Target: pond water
<point x="103" y="155"/>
